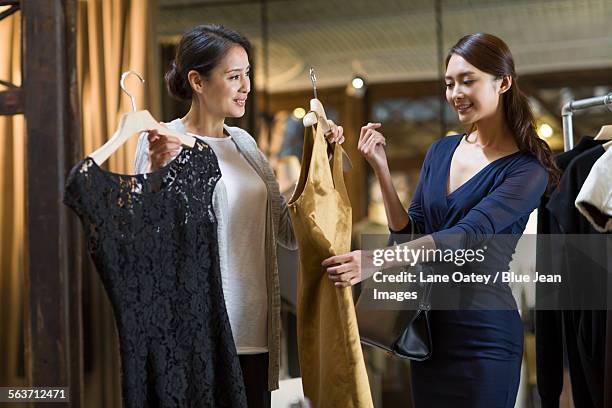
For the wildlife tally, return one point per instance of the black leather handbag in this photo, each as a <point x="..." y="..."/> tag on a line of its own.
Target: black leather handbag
<point x="404" y="333"/>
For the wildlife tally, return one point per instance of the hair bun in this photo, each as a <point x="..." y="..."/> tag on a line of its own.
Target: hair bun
<point x="178" y="87"/>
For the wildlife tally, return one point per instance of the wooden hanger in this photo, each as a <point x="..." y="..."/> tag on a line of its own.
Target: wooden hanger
<point x="317" y="111"/>
<point x="312" y="117"/>
<point x="132" y="123"/>
<point x="605" y="133"/>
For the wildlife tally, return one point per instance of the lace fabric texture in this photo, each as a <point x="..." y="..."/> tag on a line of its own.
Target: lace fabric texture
<point x="153" y="240"/>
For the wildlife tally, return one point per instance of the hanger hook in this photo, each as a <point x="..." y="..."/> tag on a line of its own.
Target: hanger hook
<point x="122" y="84"/>
<point x="313" y="79"/>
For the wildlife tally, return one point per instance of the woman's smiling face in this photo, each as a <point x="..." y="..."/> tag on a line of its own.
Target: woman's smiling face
<point x="473" y="94"/>
<point x="226" y="89"/>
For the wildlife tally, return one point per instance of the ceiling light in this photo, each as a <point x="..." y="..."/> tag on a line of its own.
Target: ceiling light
<point x="358" y="82"/>
<point x="357" y="87"/>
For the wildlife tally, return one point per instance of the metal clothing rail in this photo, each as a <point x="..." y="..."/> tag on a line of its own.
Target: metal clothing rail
<point x="568" y="110"/>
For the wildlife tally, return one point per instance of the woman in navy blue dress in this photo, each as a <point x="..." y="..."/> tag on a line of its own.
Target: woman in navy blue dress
<point x="471" y="186"/>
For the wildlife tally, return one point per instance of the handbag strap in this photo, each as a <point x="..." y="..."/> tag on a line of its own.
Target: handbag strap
<point x="425" y="302"/>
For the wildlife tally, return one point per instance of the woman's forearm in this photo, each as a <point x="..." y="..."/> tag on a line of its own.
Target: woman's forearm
<point x="396" y="213"/>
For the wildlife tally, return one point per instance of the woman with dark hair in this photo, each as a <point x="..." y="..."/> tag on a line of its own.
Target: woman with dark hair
<point x="471" y="186"/>
<point x="211" y="69"/>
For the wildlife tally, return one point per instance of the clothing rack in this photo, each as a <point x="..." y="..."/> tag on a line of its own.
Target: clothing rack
<point x="568" y="144"/>
<point x="568" y="110"/>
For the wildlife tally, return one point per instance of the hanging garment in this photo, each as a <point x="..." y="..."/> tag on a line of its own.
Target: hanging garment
<point x="594" y="200"/>
<point x="153" y="239"/>
<point x="549" y="324"/>
<point x="477" y="354"/>
<point x="331" y="359"/>
<point x="584" y="329"/>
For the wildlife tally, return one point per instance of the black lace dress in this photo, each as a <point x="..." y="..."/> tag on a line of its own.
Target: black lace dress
<point x="153" y="239"/>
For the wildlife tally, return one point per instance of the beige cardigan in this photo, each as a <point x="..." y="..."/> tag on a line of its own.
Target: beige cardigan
<point x="278" y="229"/>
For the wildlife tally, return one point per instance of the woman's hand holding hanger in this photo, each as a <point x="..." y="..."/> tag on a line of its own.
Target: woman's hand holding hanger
<point x="162" y="149"/>
<point x="337" y="133"/>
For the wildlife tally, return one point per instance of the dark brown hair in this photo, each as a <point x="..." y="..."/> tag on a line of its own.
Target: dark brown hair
<point x="201" y="49"/>
<point x="490" y="54"/>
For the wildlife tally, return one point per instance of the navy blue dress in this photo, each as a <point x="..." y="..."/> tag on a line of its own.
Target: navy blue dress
<point x="477" y="354"/>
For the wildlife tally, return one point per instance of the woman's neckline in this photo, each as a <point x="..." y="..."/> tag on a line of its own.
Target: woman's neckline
<point x="478" y="173"/>
<point x="211" y="138"/>
<point x="183" y="128"/>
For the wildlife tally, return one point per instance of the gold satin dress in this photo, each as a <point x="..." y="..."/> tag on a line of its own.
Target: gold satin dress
<point x="331" y="360"/>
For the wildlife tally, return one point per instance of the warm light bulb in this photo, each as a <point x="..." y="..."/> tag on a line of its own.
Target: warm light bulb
<point x="545" y="131"/>
<point x="299" y="113"/>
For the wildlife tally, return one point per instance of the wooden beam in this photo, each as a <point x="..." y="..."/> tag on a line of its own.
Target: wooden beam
<point x="11" y="102"/>
<point x="53" y="338"/>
